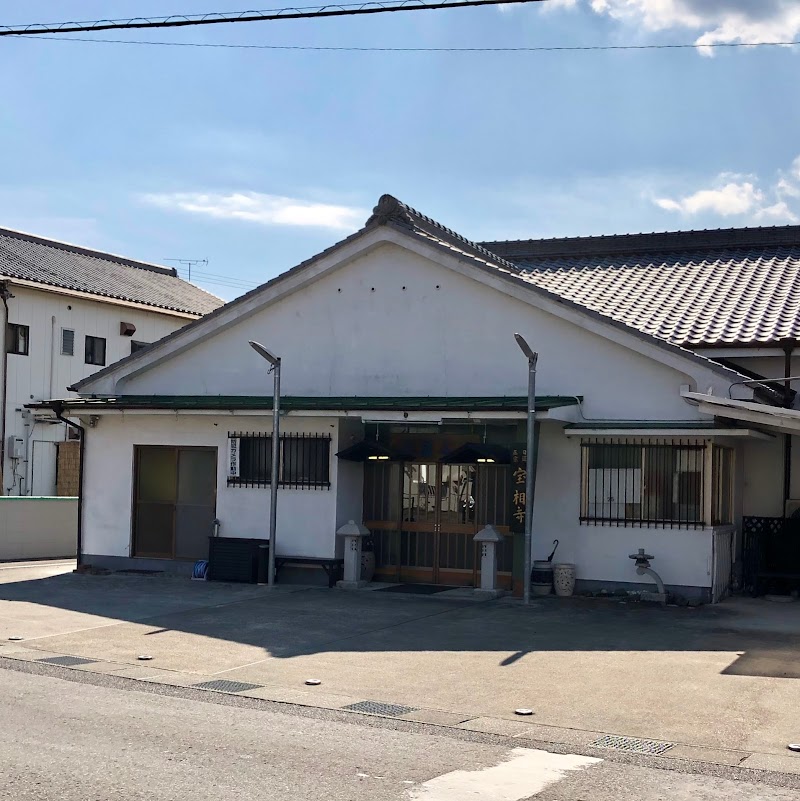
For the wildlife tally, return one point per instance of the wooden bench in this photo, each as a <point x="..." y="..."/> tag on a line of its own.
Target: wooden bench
<point x="334" y="568"/>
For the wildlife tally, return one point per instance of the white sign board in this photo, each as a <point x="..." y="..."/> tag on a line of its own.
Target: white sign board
<point x="233" y="457"/>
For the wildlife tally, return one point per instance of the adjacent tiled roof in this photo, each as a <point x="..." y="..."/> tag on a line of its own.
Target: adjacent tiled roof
<point x="56" y="264"/>
<point x="691" y="288"/>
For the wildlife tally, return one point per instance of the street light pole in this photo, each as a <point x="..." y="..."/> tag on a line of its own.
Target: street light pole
<point x="275" y="369"/>
<point x="530" y="464"/>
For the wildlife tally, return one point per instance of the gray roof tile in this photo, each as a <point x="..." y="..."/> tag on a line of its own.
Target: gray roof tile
<point x="691" y="288"/>
<point x="45" y="261"/>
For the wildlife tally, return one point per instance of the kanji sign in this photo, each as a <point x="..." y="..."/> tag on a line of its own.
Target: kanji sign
<point x="518" y="499"/>
<point x="519" y="475"/>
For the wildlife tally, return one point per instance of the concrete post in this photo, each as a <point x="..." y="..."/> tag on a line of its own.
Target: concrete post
<point x="488" y="538"/>
<point x="353" y="534"/>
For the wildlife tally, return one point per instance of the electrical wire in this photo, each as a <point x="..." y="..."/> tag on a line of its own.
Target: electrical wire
<point x="222" y="280"/>
<point x="534" y="49"/>
<point x="216" y="18"/>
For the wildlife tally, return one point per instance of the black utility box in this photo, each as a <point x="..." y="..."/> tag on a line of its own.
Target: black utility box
<point x="238" y="559"/>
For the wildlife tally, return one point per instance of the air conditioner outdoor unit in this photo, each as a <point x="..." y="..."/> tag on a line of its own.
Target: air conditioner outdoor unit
<point x="792" y="508"/>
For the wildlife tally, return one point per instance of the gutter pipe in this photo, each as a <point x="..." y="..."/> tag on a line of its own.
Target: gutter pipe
<point x="58" y="410"/>
<point x="788" y="348"/>
<point x="5" y="294"/>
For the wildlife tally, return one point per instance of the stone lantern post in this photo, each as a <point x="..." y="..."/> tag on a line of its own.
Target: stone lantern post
<point x="353" y="534"/>
<point x="488" y="537"/>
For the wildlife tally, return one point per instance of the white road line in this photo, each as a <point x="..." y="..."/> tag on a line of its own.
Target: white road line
<point x="526" y="773"/>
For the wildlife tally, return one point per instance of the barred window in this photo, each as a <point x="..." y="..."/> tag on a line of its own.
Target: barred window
<point x="304" y="461"/>
<point x="643" y="482"/>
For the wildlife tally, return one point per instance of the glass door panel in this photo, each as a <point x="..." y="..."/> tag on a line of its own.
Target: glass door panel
<point x="418" y="533"/>
<point x="155" y="495"/>
<point x="196" y="503"/>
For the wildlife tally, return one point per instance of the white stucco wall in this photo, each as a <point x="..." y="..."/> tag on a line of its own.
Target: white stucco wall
<point x="395" y="323"/>
<point x="306" y="518"/>
<point x="46" y="373"/>
<point x="600" y="553"/>
<point x="38" y="528"/>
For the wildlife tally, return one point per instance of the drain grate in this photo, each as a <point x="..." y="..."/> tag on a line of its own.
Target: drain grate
<point x="634" y="745"/>
<point x="67" y="661"/>
<point x="225" y="686"/>
<point x="377" y="708"/>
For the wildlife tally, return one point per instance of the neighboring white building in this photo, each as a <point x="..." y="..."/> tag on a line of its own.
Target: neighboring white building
<point x="404" y="407"/>
<point x="66" y="312"/>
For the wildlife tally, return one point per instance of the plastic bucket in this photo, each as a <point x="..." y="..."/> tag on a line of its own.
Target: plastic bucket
<point x="564" y="579"/>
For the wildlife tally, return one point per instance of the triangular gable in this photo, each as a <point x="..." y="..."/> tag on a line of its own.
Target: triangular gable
<point x="394" y="222"/>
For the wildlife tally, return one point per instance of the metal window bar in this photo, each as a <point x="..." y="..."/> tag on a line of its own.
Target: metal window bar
<point x="304" y="460"/>
<point x="643" y="482"/>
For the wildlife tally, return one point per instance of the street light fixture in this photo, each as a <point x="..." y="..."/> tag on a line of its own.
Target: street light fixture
<point x="530" y="464"/>
<point x="275" y="369"/>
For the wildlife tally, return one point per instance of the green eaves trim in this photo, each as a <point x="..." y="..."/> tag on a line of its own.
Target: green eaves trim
<point x="302" y="403"/>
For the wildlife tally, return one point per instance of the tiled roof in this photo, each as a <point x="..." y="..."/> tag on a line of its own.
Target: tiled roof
<point x="45" y="261"/>
<point x="725" y="287"/>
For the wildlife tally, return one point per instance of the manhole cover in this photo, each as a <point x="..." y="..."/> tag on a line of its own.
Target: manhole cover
<point x="377" y="708"/>
<point x="633" y="745"/>
<point x="225" y="686"/>
<point x="67" y="661"/>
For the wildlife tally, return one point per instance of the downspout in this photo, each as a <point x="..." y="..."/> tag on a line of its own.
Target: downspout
<point x="788" y="348"/>
<point x="5" y="294"/>
<point x="58" y="409"/>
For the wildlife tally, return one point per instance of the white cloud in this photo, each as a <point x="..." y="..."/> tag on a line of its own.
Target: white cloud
<point x="777" y="214"/>
<point x="713" y="21"/>
<point x="727" y="200"/>
<point x="263" y="209"/>
<point x="733" y="195"/>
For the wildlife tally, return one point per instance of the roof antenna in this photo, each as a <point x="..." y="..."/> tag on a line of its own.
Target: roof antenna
<point x="189" y="263"/>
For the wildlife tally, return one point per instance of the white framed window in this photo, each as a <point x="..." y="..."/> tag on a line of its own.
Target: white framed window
<point x="95" y="350"/>
<point x="67" y="342"/>
<point x="18" y="339"/>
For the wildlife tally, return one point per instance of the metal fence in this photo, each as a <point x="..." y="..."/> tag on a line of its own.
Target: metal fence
<point x="771" y="554"/>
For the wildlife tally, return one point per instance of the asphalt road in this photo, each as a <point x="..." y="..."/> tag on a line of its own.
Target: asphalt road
<point x="77" y="736"/>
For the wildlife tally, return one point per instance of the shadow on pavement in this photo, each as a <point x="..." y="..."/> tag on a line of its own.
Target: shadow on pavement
<point x="295" y="621"/>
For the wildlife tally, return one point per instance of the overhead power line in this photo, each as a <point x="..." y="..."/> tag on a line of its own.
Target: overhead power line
<point x="353" y="48"/>
<point x="186" y="20"/>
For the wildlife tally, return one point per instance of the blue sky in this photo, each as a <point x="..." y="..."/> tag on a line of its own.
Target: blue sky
<point x="257" y="159"/>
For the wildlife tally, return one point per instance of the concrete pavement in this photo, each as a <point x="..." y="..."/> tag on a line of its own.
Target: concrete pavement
<point x="77" y="736"/>
<point x="718" y="682"/>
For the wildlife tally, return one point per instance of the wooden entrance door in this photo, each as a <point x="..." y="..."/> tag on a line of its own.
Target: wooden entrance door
<point x="428" y="536"/>
<point x="423" y="517"/>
